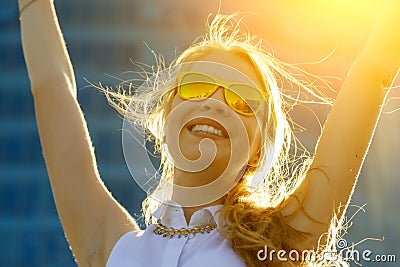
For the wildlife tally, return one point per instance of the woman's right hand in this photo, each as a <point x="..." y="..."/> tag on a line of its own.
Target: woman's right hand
<point x="383" y="45"/>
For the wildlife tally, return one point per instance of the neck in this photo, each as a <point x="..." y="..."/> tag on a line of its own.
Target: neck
<point x="205" y="189"/>
<point x="191" y="180"/>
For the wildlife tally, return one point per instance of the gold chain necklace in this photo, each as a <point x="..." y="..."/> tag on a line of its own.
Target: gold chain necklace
<point x="171" y="232"/>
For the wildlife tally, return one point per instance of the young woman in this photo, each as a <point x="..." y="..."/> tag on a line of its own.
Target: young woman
<point x="221" y="128"/>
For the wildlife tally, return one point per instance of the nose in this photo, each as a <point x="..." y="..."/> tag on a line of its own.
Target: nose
<point x="215" y="103"/>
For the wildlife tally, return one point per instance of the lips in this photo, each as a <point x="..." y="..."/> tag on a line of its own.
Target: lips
<point x="207" y="127"/>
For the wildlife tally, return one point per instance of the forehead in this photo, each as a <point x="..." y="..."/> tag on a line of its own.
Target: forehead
<point x="228" y="66"/>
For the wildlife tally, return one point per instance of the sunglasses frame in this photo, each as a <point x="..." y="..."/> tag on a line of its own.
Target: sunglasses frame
<point x="218" y="83"/>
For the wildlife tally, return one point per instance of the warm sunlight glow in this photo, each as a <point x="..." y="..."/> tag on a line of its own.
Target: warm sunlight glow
<point x="324" y="31"/>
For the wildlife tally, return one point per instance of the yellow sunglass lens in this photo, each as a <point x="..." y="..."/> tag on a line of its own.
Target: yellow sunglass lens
<point x="196" y="85"/>
<point x="196" y="90"/>
<point x="244" y="99"/>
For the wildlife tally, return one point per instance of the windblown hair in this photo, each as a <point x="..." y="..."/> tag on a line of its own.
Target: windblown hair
<point x="251" y="217"/>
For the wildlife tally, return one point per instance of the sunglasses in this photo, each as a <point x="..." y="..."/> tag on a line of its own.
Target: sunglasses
<point x="242" y="98"/>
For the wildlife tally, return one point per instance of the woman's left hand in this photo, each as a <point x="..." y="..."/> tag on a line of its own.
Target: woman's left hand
<point x="347" y="133"/>
<point x="383" y="45"/>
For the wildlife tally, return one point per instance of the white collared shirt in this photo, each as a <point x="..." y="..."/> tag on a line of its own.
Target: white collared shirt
<point x="147" y="249"/>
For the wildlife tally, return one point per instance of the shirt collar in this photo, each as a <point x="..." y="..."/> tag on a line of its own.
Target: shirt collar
<point x="171" y="214"/>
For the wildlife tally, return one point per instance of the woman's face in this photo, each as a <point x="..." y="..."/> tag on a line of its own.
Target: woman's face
<point x="207" y="138"/>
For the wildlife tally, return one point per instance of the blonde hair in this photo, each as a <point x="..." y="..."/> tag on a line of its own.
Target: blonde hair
<point x="250" y="219"/>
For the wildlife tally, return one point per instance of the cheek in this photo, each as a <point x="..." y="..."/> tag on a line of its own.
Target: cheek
<point x="254" y="135"/>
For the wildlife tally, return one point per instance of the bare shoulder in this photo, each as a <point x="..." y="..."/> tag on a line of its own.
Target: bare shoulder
<point x="112" y="222"/>
<point x="311" y="208"/>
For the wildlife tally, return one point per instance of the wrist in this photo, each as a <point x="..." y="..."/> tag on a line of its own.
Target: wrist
<point x="23" y="5"/>
<point x="29" y="5"/>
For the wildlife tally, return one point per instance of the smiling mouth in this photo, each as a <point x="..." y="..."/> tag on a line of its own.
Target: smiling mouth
<point x="207" y="128"/>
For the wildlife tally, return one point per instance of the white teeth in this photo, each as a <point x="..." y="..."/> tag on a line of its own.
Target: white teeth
<point x="206" y="129"/>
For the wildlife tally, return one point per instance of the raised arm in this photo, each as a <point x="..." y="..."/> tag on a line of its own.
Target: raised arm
<point x="348" y="130"/>
<point x="91" y="218"/>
